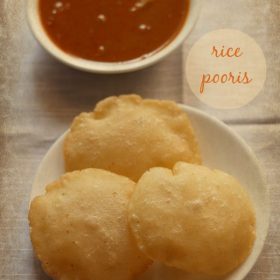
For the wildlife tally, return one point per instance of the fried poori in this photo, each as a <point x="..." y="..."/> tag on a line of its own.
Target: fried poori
<point x="79" y="228"/>
<point x="193" y="218"/>
<point x="128" y="135"/>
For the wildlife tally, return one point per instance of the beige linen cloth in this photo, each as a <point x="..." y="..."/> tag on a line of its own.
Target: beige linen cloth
<point x="39" y="97"/>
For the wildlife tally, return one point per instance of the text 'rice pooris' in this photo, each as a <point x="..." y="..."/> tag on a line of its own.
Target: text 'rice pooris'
<point x="79" y="228"/>
<point x="193" y="218"/>
<point x="128" y="135"/>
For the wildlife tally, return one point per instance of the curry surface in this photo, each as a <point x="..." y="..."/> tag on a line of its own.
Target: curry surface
<point x="112" y="30"/>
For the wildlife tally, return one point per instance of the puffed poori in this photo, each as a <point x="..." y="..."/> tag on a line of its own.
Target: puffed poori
<point x="128" y="135"/>
<point x="79" y="228"/>
<point x="193" y="218"/>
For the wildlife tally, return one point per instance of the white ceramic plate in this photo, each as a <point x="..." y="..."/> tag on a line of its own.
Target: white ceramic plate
<point x="221" y="148"/>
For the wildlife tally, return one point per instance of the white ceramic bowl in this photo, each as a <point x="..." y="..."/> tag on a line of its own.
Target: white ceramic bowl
<point x="221" y="148"/>
<point x="104" y="67"/>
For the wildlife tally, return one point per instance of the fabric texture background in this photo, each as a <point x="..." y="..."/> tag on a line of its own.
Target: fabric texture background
<point x="39" y="96"/>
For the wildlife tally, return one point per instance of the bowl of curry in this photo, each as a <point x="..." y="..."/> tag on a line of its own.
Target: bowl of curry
<point x="112" y="36"/>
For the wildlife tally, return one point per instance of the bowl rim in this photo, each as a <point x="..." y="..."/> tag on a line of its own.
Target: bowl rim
<point x="34" y="22"/>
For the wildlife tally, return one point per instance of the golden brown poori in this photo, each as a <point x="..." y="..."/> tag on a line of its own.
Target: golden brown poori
<point x="79" y="228"/>
<point x="128" y="135"/>
<point x="193" y="218"/>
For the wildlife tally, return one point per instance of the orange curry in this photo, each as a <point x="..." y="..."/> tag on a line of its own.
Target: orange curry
<point x="112" y="30"/>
